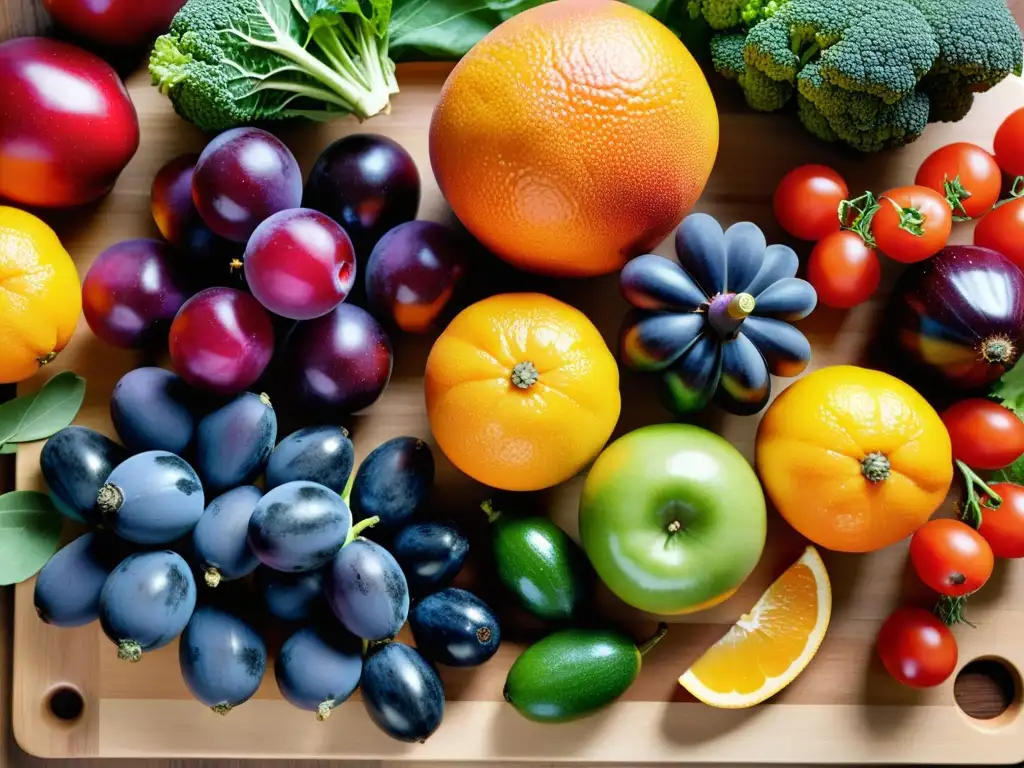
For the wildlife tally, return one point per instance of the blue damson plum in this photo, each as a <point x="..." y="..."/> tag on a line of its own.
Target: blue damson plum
<point x="299" y="526"/>
<point x="431" y="554"/>
<point x="402" y="692"/>
<point x="455" y="627"/>
<point x="393" y="483"/>
<point x="220" y="538"/>
<point x="290" y="596"/>
<point x="367" y="590"/>
<point x="67" y="591"/>
<point x="234" y="442"/>
<point x="222" y="659"/>
<point x="323" y="455"/>
<point x="153" y="410"/>
<point x="76" y="462"/>
<point x="319" y="667"/>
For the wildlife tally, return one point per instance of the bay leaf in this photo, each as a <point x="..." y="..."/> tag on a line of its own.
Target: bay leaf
<point x="43" y="413"/>
<point x="29" y="533"/>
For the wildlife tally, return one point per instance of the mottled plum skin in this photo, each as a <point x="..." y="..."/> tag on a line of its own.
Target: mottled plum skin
<point x="146" y="602"/>
<point x="393" y="483"/>
<point x="222" y="659"/>
<point x="152" y="498"/>
<point x="170" y="198"/>
<point x="367" y="591"/>
<point x="153" y="410"/>
<point x="290" y="596"/>
<point x="234" y="442"/>
<point x="299" y="526"/>
<point x="455" y="627"/>
<point x="323" y="455"/>
<point x="67" y="591"/>
<point x="243" y="176"/>
<point x="319" y="667"/>
<point x="431" y="554"/>
<point x="220" y="536"/>
<point x="132" y="292"/>
<point x="402" y="693"/>
<point x="76" y="463"/>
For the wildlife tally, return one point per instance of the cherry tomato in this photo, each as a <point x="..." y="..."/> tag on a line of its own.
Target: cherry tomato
<point x="966" y="175"/>
<point x="985" y="435"/>
<point x="843" y="270"/>
<point x="807" y="201"/>
<point x="912" y="224"/>
<point x="1003" y="230"/>
<point x="1003" y="527"/>
<point x="1009" y="144"/>
<point x="951" y="557"/>
<point x="916" y="648"/>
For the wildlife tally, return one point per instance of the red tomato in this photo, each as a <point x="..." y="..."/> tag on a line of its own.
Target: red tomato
<point x="1003" y="527"/>
<point x="916" y="648"/>
<point x="966" y="175"/>
<point x="985" y="435"/>
<point x="951" y="557"/>
<point x="807" y="201"/>
<point x="843" y="270"/>
<point x="1003" y="230"/>
<point x="912" y="224"/>
<point x="1009" y="144"/>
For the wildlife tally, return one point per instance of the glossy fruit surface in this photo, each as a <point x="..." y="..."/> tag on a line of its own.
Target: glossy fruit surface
<point x="67" y="590"/>
<point x="985" y="435"/>
<point x="1009" y="144"/>
<point x="431" y="554"/>
<point x="76" y="462"/>
<point x="146" y="602"/>
<point x="300" y="264"/>
<point x="455" y="627"/>
<point x="290" y="596"/>
<point x="402" y="693"/>
<point x="672" y="518"/>
<point x="844" y="271"/>
<point x="221" y="340"/>
<point x="243" y="176"/>
<point x="572" y="192"/>
<point x="367" y="590"/>
<point x="126" y="23"/>
<point x="1003" y="526"/>
<point x="413" y="272"/>
<point x="69" y="127"/>
<point x="951" y="557"/>
<point x="912" y="224"/>
<point x="132" y="292"/>
<point x="151" y="498"/>
<point x="1002" y="230"/>
<point x="234" y="442"/>
<point x="393" y="483"/>
<point x="222" y="659"/>
<point x="966" y="175"/>
<point x="319" y="667"/>
<point x="152" y="410"/>
<point x="298" y="526"/>
<point x="323" y="455"/>
<point x="42" y="300"/>
<point x="220" y="537"/>
<point x="806" y="202"/>
<point x="170" y="198"/>
<point x="916" y="648"/>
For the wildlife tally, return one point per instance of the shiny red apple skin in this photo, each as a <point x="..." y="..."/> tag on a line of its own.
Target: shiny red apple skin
<point x="117" y="23"/>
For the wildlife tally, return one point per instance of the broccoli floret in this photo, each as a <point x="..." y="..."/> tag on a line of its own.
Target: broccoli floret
<point x="727" y="54"/>
<point x="813" y="120"/>
<point x="727" y="14"/>
<point x="762" y="93"/>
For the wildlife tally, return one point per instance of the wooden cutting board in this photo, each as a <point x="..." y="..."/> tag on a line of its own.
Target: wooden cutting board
<point x="843" y="709"/>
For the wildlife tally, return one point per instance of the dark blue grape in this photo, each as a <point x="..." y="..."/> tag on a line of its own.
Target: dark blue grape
<point x="222" y="659"/>
<point x="319" y="667"/>
<point x="402" y="693"/>
<point x="76" y="462"/>
<point x="146" y="602"/>
<point x="220" y="536"/>
<point x="290" y="596"/>
<point x="152" y="498"/>
<point x="321" y="455"/>
<point x="299" y="526"/>
<point x="367" y="590"/>
<point x="153" y="410"/>
<point x="431" y="554"/>
<point x="67" y="592"/>
<point x="234" y="442"/>
<point x="455" y="627"/>
<point x="393" y="483"/>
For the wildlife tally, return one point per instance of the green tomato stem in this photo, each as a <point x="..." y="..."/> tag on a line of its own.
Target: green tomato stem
<point x="492" y="514"/>
<point x="654" y="640"/>
<point x="951" y="611"/>
<point x="971" y="512"/>
<point x="359" y="527"/>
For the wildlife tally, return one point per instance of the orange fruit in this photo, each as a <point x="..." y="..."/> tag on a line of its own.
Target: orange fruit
<point x="40" y="295"/>
<point x="854" y="459"/>
<point x="574" y="136"/>
<point x="769" y="646"/>
<point x="522" y="391"/>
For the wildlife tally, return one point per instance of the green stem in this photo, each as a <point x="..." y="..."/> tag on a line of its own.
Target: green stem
<point x="956" y="193"/>
<point x="1017" y="190"/>
<point x="971" y="512"/>
<point x="911" y="219"/>
<point x="654" y="640"/>
<point x="857" y="214"/>
<point x="359" y="527"/>
<point x="951" y="611"/>
<point x="492" y="514"/>
<point x="346" y="493"/>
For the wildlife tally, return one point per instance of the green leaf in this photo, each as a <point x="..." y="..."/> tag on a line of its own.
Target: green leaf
<point x="1009" y="390"/>
<point x="1011" y="474"/>
<point x="446" y="29"/>
<point x="8" y="448"/>
<point x="41" y="414"/>
<point x="329" y="13"/>
<point x="29" y="534"/>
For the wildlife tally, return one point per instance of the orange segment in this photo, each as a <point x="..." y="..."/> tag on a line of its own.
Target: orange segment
<point x="769" y="646"/>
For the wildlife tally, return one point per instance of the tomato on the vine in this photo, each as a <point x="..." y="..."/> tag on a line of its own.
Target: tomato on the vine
<point x="1003" y="526"/>
<point x="806" y="202"/>
<point x="916" y="648"/>
<point x="844" y="270"/>
<point x="951" y="557"/>
<point x="985" y="435"/>
<point x="1002" y="229"/>
<point x="966" y="175"/>
<point x="912" y="223"/>
<point x="1009" y="144"/>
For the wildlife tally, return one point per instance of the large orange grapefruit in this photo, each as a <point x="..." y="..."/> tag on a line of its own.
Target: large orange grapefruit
<point x="574" y="136"/>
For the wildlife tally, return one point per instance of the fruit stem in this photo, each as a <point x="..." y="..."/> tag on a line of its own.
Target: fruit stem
<point x="971" y="512"/>
<point x="654" y="640"/>
<point x="525" y="375"/>
<point x="212" y="577"/>
<point x="346" y="493"/>
<point x="265" y="399"/>
<point x="875" y="467"/>
<point x="47" y="358"/>
<point x="956" y="193"/>
<point x="222" y="709"/>
<point x="741" y="306"/>
<point x="998" y="350"/>
<point x="129" y="650"/>
<point x="951" y="611"/>
<point x="857" y="214"/>
<point x="911" y="219"/>
<point x="492" y="514"/>
<point x="323" y="710"/>
<point x="109" y="499"/>
<point x="359" y="527"/>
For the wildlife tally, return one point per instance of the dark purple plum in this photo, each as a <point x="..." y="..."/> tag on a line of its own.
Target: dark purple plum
<point x="220" y="537"/>
<point x="234" y="442"/>
<point x="243" y="176"/>
<point x="319" y="667"/>
<point x="455" y="627"/>
<point x="209" y="260"/>
<point x="413" y="272"/>
<point x="402" y="693"/>
<point x="170" y="198"/>
<point x="367" y="590"/>
<point x="151" y="498"/>
<point x="300" y="264"/>
<point x="132" y="292"/>
<point x="153" y="410"/>
<point x="393" y="483"/>
<point x="337" y="364"/>
<point x="431" y="554"/>
<point x="67" y="591"/>
<point x="146" y="602"/>
<point x="323" y="455"/>
<point x="222" y="340"/>
<point x="299" y="526"/>
<point x="76" y="462"/>
<point x="290" y="596"/>
<point x="222" y="659"/>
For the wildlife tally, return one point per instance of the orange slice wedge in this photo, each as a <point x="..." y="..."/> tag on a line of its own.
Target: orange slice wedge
<point x="769" y="646"/>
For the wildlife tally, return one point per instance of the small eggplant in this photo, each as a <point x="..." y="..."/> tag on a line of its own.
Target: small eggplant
<point x="402" y="693"/>
<point x="455" y="627"/>
<point x="76" y="462"/>
<point x="234" y="442"/>
<point x="319" y="667"/>
<point x="222" y="659"/>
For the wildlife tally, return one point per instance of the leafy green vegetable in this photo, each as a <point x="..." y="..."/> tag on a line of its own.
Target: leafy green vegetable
<point x="29" y="533"/>
<point x="43" y="413"/>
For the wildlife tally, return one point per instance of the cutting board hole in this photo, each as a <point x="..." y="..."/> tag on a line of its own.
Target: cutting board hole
<point x="66" y="703"/>
<point x="988" y="690"/>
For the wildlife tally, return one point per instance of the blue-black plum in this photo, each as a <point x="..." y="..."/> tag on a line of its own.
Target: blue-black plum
<point x="290" y="596"/>
<point x="146" y="602"/>
<point x="153" y="410"/>
<point x="455" y="627"/>
<point x="393" y="483"/>
<point x="76" y="462"/>
<point x="222" y="659"/>
<point x="299" y="526"/>
<point x="220" y="537"/>
<point x="319" y="667"/>
<point x="67" y="591"/>
<point x="152" y="498"/>
<point x="321" y="455"/>
<point x="367" y="591"/>
<point x="402" y="693"/>
<point x="234" y="442"/>
<point x="431" y="554"/>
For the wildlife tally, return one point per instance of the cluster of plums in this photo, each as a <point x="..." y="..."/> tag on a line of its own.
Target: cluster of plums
<point x="304" y="538"/>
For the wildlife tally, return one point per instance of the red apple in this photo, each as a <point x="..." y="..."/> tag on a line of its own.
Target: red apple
<point x="117" y="23"/>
